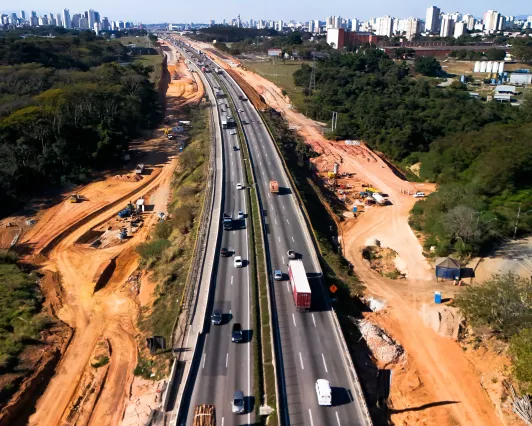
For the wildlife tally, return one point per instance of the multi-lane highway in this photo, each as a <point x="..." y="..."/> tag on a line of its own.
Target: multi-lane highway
<point x="225" y="366"/>
<point x="309" y="345"/>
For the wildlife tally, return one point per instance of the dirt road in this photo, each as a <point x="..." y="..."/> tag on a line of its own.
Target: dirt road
<point x="108" y="313"/>
<point x="438" y="386"/>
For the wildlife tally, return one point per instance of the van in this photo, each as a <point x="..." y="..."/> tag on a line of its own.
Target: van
<point x="237" y="405"/>
<point x="419" y="195"/>
<point x="323" y="392"/>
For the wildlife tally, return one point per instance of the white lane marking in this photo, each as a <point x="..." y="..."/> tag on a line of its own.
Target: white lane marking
<point x="282" y="258"/>
<point x="309" y="414"/>
<point x="294" y="318"/>
<point x="260" y="163"/>
<point x="269" y="163"/>
<point x="313" y="320"/>
<point x="338" y="419"/>
<point x="324" y="364"/>
<point x="230" y="312"/>
<point x="275" y="221"/>
<point x="284" y="208"/>
<point x="204" y="356"/>
<point x="301" y="359"/>
<point x="263" y="173"/>
<point x="287" y="287"/>
<point x="231" y="280"/>
<point x="279" y="239"/>
<point x="222" y="421"/>
<point x="269" y="195"/>
<point x="227" y="360"/>
<point x="293" y="240"/>
<point x="287" y="221"/>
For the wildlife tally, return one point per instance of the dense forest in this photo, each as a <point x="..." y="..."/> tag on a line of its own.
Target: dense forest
<point x="66" y="106"/>
<point x="480" y="153"/>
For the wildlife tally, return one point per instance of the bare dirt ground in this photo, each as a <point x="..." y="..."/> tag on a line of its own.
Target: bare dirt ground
<point x="438" y="383"/>
<point x="103" y="316"/>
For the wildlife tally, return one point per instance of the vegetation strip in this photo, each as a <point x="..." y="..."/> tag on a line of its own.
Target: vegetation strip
<point x="264" y="372"/>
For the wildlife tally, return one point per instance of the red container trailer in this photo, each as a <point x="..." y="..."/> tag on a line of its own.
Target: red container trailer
<point x="300" y="285"/>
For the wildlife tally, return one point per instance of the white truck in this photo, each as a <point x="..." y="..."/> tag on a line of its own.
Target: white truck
<point x="379" y="198"/>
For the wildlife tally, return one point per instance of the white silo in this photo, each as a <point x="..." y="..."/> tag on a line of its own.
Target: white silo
<point x="483" y="67"/>
<point x="489" y="66"/>
<point x="477" y="67"/>
<point x="501" y="68"/>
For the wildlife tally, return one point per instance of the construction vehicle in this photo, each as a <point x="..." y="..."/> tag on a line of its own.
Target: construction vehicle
<point x="204" y="415"/>
<point x="300" y="286"/>
<point x="74" y="198"/>
<point x="331" y="175"/>
<point x="274" y="187"/>
<point x="139" y="169"/>
<point x="379" y="198"/>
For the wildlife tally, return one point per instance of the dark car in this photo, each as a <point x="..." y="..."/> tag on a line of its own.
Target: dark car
<point x="235" y="148"/>
<point x="291" y="254"/>
<point x="216" y="317"/>
<point x="224" y="252"/>
<point x="236" y="333"/>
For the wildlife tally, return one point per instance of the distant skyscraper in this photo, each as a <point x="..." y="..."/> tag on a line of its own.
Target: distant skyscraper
<point x="412" y="27"/>
<point x="469" y="21"/>
<point x="447" y="26"/>
<point x="491" y="20"/>
<point x="75" y="21"/>
<point x="238" y="21"/>
<point x="432" y="23"/>
<point x="213" y="23"/>
<point x="90" y="18"/>
<point x="279" y="25"/>
<point x="105" y="23"/>
<point x="311" y="27"/>
<point x="66" y="19"/>
<point x="384" y="26"/>
<point x="83" y="23"/>
<point x="22" y="15"/>
<point x="355" y="24"/>
<point x="459" y="29"/>
<point x="58" y="20"/>
<point x="97" y="17"/>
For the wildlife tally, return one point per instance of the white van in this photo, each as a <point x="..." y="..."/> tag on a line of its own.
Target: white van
<point x="419" y="195"/>
<point x="323" y="391"/>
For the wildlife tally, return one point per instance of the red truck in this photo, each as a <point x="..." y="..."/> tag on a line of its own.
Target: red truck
<point x="300" y="285"/>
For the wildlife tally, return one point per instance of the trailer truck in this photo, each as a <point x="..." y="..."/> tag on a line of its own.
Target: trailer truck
<point x="204" y="415"/>
<point x="379" y="198"/>
<point x="227" y="222"/>
<point x="274" y="187"/>
<point x="300" y="286"/>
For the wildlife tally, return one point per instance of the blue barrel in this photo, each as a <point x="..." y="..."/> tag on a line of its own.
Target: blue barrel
<point x="355" y="209"/>
<point x="437" y="297"/>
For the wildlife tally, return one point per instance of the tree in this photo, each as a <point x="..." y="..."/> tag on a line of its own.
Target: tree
<point x="521" y="353"/>
<point x="427" y="66"/>
<point x="495" y="54"/>
<point x="522" y="49"/>
<point x="504" y="303"/>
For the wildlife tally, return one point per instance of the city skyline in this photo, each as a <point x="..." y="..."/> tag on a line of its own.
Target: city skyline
<point x="211" y="10"/>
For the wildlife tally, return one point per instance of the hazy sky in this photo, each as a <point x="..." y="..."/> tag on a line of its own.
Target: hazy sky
<point x="205" y="10"/>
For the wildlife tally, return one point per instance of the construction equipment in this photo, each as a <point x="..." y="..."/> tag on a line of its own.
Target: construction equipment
<point x="74" y="198"/>
<point x="204" y="415"/>
<point x="331" y="175"/>
<point x="274" y="187"/>
<point x="139" y="169"/>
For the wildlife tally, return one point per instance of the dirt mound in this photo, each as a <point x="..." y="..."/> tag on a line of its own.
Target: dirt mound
<point x="384" y="349"/>
<point x="128" y="178"/>
<point x="444" y="320"/>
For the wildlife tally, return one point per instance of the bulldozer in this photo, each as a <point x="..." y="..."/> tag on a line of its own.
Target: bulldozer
<point x="74" y="198"/>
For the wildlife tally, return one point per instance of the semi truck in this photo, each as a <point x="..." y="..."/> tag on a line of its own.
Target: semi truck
<point x="274" y="187"/>
<point x="379" y="198"/>
<point x="204" y="415"/>
<point x="139" y="169"/>
<point x="227" y="222"/>
<point x="299" y="283"/>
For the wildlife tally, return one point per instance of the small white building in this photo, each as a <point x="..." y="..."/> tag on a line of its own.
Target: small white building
<point x="520" y="78"/>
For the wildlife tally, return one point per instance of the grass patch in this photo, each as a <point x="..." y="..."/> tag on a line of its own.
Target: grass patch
<point x="169" y="253"/>
<point x="281" y="74"/>
<point x="101" y="361"/>
<point x="140" y="41"/>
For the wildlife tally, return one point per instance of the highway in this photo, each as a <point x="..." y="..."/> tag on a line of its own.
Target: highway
<point x="226" y="366"/>
<point x="310" y="348"/>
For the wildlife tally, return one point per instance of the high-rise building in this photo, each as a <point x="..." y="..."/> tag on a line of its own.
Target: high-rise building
<point x="213" y="23"/>
<point x="491" y="20"/>
<point x="311" y="27"/>
<point x="51" y="20"/>
<point x="501" y="22"/>
<point x="469" y="21"/>
<point x="355" y="24"/>
<point x="432" y="21"/>
<point x="279" y="26"/>
<point x="75" y="21"/>
<point x="317" y="26"/>
<point x="456" y="16"/>
<point x="384" y="26"/>
<point x="97" y="17"/>
<point x="459" y="29"/>
<point x="66" y="19"/>
<point x="34" y="20"/>
<point x="90" y="18"/>
<point x="105" y="23"/>
<point x="83" y="23"/>
<point x="22" y="15"/>
<point x="412" y="27"/>
<point x="43" y="20"/>
<point x="13" y="19"/>
<point x="238" y="21"/>
<point x="447" y="26"/>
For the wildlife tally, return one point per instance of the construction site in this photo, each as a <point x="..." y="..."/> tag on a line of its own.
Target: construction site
<point x="437" y="380"/>
<point x="82" y="244"/>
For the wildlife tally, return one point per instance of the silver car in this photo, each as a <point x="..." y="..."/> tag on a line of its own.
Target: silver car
<point x="237" y="405"/>
<point x="277" y="275"/>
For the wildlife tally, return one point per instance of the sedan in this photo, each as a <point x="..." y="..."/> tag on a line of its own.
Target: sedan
<point x="240" y="110"/>
<point x="239" y="186"/>
<point x="240" y="214"/>
<point x="291" y="254"/>
<point x="216" y="317"/>
<point x="277" y="275"/>
<point x="238" y="262"/>
<point x="224" y="252"/>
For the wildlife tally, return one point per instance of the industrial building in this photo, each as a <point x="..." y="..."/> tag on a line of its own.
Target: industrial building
<point x="520" y="78"/>
<point x="340" y="38"/>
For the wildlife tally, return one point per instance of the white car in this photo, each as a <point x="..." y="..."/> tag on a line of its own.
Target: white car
<point x="419" y="195"/>
<point x="240" y="214"/>
<point x="240" y="110"/>
<point x="238" y="261"/>
<point x="278" y="275"/>
<point x="239" y="186"/>
<point x="232" y="132"/>
<point x="323" y="392"/>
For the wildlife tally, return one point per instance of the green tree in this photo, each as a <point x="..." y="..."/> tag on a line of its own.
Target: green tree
<point x="522" y="49"/>
<point x="521" y="353"/>
<point x="495" y="54"/>
<point x="504" y="303"/>
<point x="427" y="66"/>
